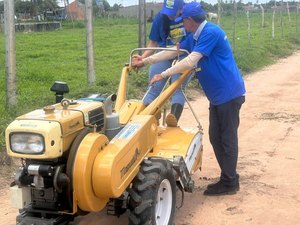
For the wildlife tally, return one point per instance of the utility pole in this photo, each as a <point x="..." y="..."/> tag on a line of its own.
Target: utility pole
<point x="90" y="42"/>
<point x="10" y="53"/>
<point x="142" y="23"/>
<point x="219" y="11"/>
<point x="234" y="24"/>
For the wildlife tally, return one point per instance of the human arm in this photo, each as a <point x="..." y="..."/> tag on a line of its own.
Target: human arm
<point x="186" y="64"/>
<point x="151" y="44"/>
<point x="139" y="61"/>
<point x="187" y="44"/>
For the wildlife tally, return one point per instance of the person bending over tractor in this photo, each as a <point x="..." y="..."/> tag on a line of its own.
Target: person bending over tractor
<point x="165" y="32"/>
<point x="222" y="83"/>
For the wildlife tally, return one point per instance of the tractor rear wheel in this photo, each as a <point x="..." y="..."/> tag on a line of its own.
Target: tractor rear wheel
<point x="152" y="196"/>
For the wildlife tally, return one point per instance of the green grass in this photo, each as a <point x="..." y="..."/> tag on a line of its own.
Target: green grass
<point x="263" y="49"/>
<point x="45" y="57"/>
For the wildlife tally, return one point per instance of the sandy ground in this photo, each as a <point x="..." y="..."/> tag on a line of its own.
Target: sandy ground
<point x="269" y="159"/>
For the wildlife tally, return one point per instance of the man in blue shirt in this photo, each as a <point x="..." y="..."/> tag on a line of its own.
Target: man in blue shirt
<point x="222" y="83"/>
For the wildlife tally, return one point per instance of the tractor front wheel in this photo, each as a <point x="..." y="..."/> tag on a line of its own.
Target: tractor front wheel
<point x="152" y="196"/>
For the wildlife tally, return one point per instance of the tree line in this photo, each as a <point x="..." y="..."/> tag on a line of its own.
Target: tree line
<point x="35" y="7"/>
<point x="229" y="6"/>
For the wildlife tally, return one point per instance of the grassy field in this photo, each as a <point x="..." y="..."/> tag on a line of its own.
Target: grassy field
<point x="45" y="57"/>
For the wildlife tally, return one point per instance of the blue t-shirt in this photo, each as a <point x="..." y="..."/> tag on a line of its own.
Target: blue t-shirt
<point x="166" y="32"/>
<point x="217" y="71"/>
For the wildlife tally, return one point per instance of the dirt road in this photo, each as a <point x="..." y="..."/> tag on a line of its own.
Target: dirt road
<point x="269" y="159"/>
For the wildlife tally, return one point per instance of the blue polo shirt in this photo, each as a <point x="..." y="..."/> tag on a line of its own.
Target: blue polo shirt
<point x="217" y="71"/>
<point x="159" y="34"/>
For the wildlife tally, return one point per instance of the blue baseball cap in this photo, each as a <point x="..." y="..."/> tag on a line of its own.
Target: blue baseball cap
<point x="189" y="10"/>
<point x="170" y="7"/>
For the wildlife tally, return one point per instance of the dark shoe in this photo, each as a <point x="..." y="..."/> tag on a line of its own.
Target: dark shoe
<point x="173" y="117"/>
<point x="221" y="189"/>
<point x="171" y="120"/>
<point x="237" y="182"/>
<point x="176" y="110"/>
<point x="209" y="186"/>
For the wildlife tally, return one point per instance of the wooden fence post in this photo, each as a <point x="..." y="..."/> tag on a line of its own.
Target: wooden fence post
<point x="262" y="23"/>
<point x="273" y="21"/>
<point x="288" y="11"/>
<point x="248" y="27"/>
<point x="234" y="24"/>
<point x="142" y="23"/>
<point x="297" y="17"/>
<point x="281" y="19"/>
<point x="10" y="53"/>
<point x="219" y="12"/>
<point x="90" y="42"/>
<point x="262" y="16"/>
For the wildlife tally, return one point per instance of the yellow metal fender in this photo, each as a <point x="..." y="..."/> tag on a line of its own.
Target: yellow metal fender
<point x="175" y="141"/>
<point x="116" y="166"/>
<point x="104" y="169"/>
<point x="84" y="194"/>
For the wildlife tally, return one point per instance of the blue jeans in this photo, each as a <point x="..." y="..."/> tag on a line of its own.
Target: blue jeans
<point x="155" y="90"/>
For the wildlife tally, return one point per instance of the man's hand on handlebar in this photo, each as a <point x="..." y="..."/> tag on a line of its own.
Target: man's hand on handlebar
<point x="155" y="78"/>
<point x="137" y="61"/>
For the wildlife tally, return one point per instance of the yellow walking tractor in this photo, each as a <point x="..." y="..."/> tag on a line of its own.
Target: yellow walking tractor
<point x="92" y="154"/>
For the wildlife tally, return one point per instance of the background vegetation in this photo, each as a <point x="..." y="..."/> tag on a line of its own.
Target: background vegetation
<point x="34" y="7"/>
<point x="45" y="57"/>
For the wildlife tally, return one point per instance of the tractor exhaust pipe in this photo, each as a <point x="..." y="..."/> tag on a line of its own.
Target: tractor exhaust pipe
<point x="112" y="118"/>
<point x="108" y="104"/>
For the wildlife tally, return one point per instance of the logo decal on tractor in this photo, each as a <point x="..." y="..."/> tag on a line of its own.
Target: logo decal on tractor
<point x="126" y="168"/>
<point x="27" y="125"/>
<point x="128" y="131"/>
<point x="74" y="125"/>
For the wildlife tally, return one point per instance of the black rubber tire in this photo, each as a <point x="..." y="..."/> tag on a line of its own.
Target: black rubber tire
<point x="70" y="163"/>
<point x="73" y="151"/>
<point x="143" y="193"/>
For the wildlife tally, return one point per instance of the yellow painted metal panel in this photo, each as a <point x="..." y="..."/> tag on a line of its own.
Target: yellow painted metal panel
<point x="87" y="151"/>
<point x="175" y="141"/>
<point x="119" y="162"/>
<point x="129" y="109"/>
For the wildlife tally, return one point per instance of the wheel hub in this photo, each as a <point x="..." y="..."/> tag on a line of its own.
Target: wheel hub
<point x="164" y="203"/>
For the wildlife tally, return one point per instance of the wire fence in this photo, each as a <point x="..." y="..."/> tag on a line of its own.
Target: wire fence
<point x="256" y="36"/>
